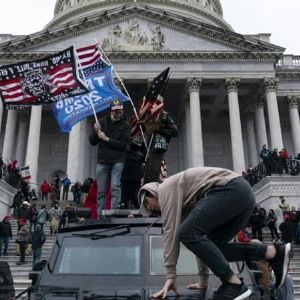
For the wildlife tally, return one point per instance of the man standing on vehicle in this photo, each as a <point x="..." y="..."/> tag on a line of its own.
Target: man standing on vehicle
<point x="112" y="135"/>
<point x="196" y="206"/>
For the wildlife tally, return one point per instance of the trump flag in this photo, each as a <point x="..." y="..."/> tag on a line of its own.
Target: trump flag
<point x="45" y="80"/>
<point x="98" y="76"/>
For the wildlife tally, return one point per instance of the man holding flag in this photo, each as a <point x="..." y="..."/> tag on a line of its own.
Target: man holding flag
<point x="112" y="135"/>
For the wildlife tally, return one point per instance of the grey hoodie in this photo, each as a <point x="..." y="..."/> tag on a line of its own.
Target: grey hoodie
<point x="176" y="196"/>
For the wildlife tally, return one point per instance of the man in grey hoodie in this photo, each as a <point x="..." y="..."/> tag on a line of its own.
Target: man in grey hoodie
<point x="204" y="208"/>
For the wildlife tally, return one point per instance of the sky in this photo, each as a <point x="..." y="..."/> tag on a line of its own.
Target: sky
<point x="279" y="17"/>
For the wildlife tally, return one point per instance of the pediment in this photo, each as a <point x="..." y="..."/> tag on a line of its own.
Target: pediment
<point x="139" y="28"/>
<point x="143" y="35"/>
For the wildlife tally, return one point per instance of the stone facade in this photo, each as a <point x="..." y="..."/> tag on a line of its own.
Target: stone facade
<point x="7" y="193"/>
<point x="230" y="93"/>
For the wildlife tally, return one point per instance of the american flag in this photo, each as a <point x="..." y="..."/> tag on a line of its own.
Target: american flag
<point x="88" y="55"/>
<point x="41" y="81"/>
<point x="152" y="102"/>
<point x="90" y="59"/>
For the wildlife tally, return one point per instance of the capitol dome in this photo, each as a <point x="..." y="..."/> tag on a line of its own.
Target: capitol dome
<point x="207" y="11"/>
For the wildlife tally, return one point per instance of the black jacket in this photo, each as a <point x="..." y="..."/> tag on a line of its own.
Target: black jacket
<point x="38" y="238"/>
<point x="162" y="136"/>
<point x="287" y="229"/>
<point x="5" y="229"/>
<point x="114" y="150"/>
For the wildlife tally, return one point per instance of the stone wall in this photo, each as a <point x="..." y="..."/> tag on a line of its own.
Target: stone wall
<point x="7" y="193"/>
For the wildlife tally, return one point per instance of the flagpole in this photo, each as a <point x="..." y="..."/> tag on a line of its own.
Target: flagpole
<point x="91" y="102"/>
<point x="123" y="86"/>
<point x="148" y="148"/>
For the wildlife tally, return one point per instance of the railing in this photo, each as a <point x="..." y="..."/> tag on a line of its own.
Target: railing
<point x="260" y="171"/>
<point x="289" y="61"/>
<point x="257" y="174"/>
<point x="10" y="176"/>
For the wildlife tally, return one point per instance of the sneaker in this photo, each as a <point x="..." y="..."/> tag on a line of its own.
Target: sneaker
<point x="280" y="263"/>
<point x="229" y="291"/>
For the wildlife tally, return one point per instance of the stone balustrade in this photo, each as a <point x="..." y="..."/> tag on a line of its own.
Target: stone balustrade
<point x="288" y="61"/>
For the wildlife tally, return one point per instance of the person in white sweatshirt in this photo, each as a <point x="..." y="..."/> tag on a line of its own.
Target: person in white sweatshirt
<point x="204" y="208"/>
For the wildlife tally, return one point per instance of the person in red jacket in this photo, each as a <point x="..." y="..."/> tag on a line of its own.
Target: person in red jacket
<point x="45" y="189"/>
<point x="243" y="236"/>
<point x="284" y="160"/>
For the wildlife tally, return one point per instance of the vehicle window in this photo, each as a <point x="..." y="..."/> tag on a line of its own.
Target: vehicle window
<point x="116" y="255"/>
<point x="186" y="264"/>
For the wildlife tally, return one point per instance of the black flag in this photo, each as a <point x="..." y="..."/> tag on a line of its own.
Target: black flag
<point x="158" y="85"/>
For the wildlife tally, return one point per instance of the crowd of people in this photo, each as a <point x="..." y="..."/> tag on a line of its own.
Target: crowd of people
<point x="31" y="224"/>
<point x="130" y="175"/>
<point x="289" y="226"/>
<point x="10" y="173"/>
<point x="272" y="162"/>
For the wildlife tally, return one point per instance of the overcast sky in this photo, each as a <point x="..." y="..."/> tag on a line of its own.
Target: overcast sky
<point x="279" y="17"/>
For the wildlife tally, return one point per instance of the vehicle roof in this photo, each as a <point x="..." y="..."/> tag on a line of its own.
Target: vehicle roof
<point x="111" y="222"/>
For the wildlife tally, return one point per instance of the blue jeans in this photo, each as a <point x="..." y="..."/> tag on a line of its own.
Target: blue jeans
<point x="104" y="171"/>
<point x="4" y="240"/>
<point x="214" y="221"/>
<point x="36" y="255"/>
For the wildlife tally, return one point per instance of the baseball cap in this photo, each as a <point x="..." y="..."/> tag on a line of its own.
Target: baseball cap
<point x="22" y="221"/>
<point x="116" y="105"/>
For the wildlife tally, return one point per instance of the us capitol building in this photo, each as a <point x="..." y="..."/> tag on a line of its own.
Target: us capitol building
<point x="230" y="93"/>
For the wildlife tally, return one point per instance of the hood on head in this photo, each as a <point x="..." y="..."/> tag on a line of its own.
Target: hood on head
<point x="152" y="188"/>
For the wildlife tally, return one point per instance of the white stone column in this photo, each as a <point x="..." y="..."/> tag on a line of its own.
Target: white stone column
<point x="193" y="85"/>
<point x="188" y="143"/>
<point x="84" y="144"/>
<point x="182" y="139"/>
<point x="260" y="122"/>
<point x="9" y="137"/>
<point x="88" y="151"/>
<point x="33" y="143"/>
<point x="270" y="86"/>
<point x="251" y="141"/>
<point x="293" y="102"/>
<point x="21" y="142"/>
<point x="76" y="152"/>
<point x="238" y="158"/>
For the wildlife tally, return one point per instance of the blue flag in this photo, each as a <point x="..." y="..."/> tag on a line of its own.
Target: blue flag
<point x="98" y="76"/>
